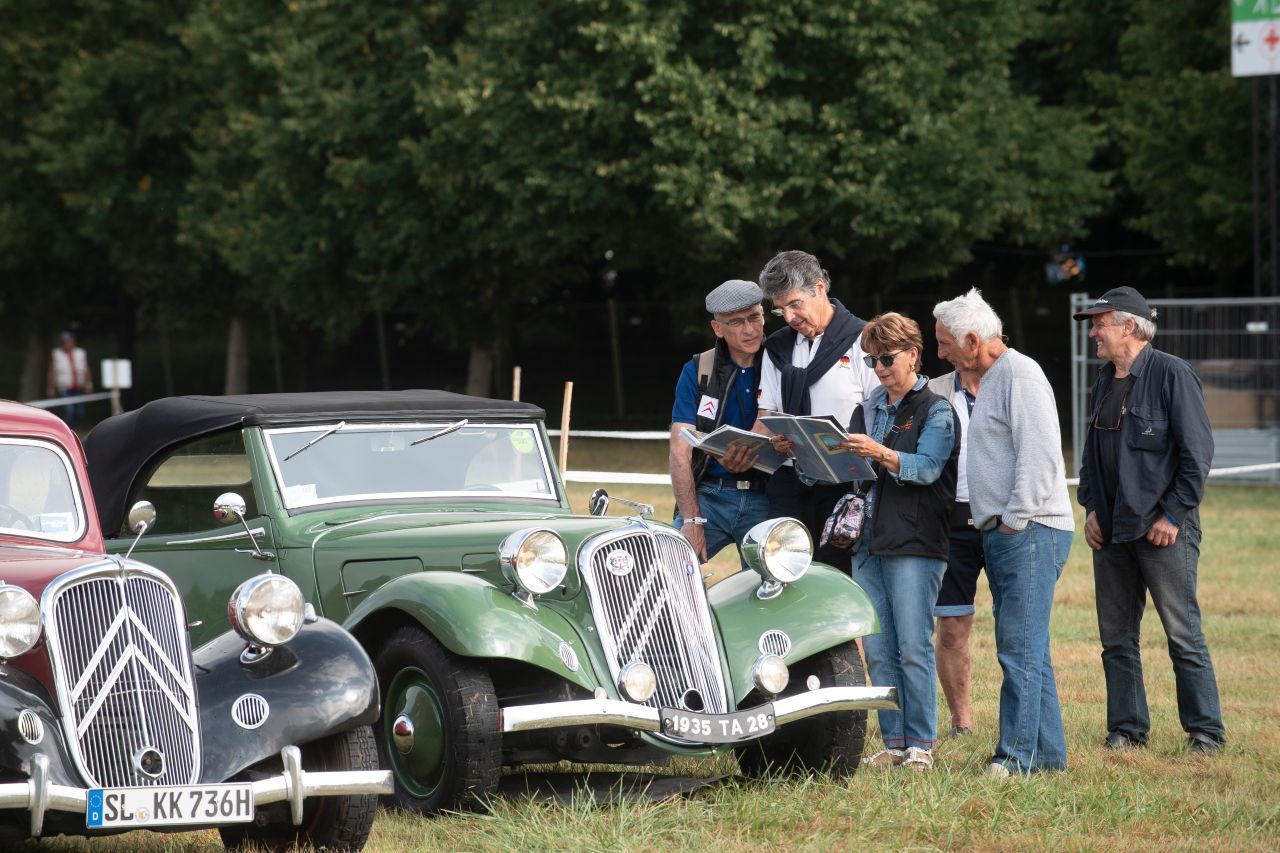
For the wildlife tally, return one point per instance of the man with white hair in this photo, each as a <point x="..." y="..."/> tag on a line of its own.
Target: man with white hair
<point x="1018" y="497"/>
<point x="1142" y="478"/>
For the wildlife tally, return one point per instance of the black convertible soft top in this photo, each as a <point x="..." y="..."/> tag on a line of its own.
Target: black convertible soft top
<point x="124" y="447"/>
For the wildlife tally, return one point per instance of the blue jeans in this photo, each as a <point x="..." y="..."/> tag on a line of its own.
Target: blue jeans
<point x="1022" y="569"/>
<point x="903" y="590"/>
<point x="730" y="512"/>
<point x="1122" y="575"/>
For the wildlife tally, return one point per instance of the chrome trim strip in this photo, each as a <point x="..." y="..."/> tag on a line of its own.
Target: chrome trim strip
<point x="221" y="537"/>
<point x="38" y="796"/>
<point x="788" y="709"/>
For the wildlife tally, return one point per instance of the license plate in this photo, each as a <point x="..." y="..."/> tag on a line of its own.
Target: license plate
<point x="718" y="728"/>
<point x="170" y="805"/>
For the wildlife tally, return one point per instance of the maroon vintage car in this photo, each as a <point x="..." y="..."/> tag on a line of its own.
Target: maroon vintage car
<point x="110" y="722"/>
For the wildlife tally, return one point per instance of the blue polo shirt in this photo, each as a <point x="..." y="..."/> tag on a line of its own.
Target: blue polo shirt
<point x="739" y="405"/>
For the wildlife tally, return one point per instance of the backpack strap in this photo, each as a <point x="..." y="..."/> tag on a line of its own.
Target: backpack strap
<point x="706" y="363"/>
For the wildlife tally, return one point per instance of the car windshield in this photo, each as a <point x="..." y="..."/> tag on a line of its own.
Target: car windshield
<point x="39" y="496"/>
<point x="357" y="462"/>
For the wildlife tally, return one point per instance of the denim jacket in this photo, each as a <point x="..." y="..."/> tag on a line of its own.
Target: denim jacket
<point x="1166" y="449"/>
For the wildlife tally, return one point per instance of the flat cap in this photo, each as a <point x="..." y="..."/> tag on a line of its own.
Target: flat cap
<point x="734" y="295"/>
<point x="1124" y="299"/>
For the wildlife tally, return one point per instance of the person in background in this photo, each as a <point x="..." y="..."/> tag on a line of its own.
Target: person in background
<point x="719" y="500"/>
<point x="69" y="376"/>
<point x="1142" y="475"/>
<point x="910" y="432"/>
<point x="965" y="561"/>
<point x="1018" y="495"/>
<point x="814" y="366"/>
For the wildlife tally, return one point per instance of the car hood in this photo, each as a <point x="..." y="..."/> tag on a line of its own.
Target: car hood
<point x="466" y="529"/>
<point x="33" y="566"/>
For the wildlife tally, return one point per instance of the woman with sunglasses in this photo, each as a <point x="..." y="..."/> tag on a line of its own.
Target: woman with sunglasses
<point x="913" y="437"/>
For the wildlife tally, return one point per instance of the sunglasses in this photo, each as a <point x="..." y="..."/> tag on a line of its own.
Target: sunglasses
<point x="886" y="359"/>
<point x="1097" y="415"/>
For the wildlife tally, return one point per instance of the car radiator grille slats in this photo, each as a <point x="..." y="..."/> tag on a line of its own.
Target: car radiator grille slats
<point x="656" y="611"/>
<point x="122" y="667"/>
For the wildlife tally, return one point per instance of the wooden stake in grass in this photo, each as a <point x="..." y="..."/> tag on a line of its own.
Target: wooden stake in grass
<point x="564" y="428"/>
<point x="515" y="383"/>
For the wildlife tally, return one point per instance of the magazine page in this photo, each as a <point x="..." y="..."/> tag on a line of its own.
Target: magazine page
<point x="817" y="448"/>
<point x="721" y="440"/>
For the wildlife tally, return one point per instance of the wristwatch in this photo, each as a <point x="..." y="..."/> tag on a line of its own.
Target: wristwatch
<point x="697" y="519"/>
<point x="884" y="455"/>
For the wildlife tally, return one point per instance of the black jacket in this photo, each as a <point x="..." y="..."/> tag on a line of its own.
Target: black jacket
<point x="912" y="520"/>
<point x="1166" y="449"/>
<point x="723" y="377"/>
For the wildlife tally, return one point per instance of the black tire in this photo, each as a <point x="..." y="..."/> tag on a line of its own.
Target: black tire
<point x="453" y="757"/>
<point x="328" y="823"/>
<point x="831" y="742"/>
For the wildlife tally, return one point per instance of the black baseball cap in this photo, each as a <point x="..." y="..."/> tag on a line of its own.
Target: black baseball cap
<point x="1118" y="299"/>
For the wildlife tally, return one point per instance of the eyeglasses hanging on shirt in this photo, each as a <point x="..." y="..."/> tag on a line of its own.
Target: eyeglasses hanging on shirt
<point x="1106" y="412"/>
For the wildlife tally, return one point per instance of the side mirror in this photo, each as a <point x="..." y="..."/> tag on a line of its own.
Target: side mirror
<point x="598" y="503"/>
<point x="228" y="507"/>
<point x="142" y="517"/>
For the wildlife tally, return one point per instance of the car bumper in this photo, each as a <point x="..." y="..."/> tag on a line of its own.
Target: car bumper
<point x="786" y="709"/>
<point x="39" y="795"/>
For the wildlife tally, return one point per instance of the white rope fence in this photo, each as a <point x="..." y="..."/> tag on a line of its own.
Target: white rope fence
<point x="665" y="479"/>
<point x="54" y="402"/>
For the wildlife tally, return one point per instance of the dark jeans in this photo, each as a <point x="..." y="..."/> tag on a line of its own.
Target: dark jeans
<point x="1122" y="575"/>
<point x="810" y="505"/>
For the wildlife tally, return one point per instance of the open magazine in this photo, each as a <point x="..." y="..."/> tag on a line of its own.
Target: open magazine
<point x="723" y="438"/>
<point x="816" y="445"/>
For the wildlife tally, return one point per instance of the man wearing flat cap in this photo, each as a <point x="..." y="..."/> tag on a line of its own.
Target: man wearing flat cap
<point x="719" y="500"/>
<point x="1142" y="476"/>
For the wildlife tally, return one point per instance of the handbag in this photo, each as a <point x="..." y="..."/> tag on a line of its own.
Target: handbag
<point x="844" y="526"/>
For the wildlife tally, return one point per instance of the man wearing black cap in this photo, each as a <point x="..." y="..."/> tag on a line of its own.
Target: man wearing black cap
<point x="719" y="500"/>
<point x="1142" y="477"/>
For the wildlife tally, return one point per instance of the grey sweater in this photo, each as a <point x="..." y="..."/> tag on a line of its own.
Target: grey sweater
<point x="1015" y="467"/>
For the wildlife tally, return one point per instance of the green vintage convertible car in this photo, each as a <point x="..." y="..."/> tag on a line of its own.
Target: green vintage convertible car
<point x="506" y="630"/>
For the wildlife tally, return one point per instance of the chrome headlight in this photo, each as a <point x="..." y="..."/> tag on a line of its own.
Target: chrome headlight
<point x="637" y="681"/>
<point x="770" y="674"/>
<point x="780" y="549"/>
<point x="19" y="621"/>
<point x="534" y="560"/>
<point x="267" y="610"/>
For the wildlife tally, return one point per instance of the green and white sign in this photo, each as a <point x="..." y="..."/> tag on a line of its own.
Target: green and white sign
<point x="1255" y="38"/>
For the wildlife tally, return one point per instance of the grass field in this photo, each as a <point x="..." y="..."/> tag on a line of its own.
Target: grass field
<point x="1155" y="798"/>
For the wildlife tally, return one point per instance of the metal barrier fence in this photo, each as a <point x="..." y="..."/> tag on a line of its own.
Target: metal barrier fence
<point x="1234" y="346"/>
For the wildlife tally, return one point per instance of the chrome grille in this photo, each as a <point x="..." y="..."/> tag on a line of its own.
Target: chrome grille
<point x="122" y="667"/>
<point x="649" y="604"/>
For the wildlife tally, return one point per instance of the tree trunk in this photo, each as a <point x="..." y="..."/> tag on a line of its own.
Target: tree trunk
<point x="35" y="366"/>
<point x="480" y="369"/>
<point x="237" y="379"/>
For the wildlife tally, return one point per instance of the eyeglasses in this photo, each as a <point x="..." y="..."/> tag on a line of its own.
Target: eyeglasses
<point x="793" y="305"/>
<point x="738" y="322"/>
<point x="1102" y="404"/>
<point x="886" y="359"/>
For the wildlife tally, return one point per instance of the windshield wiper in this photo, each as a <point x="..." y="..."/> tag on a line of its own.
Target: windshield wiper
<point x="322" y="435"/>
<point x="450" y="428"/>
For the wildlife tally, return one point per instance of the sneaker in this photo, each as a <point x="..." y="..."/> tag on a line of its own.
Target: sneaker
<point x="1203" y="744"/>
<point x="996" y="770"/>
<point x="885" y="759"/>
<point x="917" y="759"/>
<point x="1121" y="742"/>
<point x="960" y="731"/>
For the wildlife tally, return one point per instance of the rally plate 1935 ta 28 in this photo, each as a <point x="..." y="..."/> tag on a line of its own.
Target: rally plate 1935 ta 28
<point x="718" y="728"/>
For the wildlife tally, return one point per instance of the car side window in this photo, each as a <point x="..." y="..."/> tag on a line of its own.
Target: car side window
<point x="185" y="484"/>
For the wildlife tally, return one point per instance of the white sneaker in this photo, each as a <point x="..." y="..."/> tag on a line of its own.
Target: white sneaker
<point x="996" y="770"/>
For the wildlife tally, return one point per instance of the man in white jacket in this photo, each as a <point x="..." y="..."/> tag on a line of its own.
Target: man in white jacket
<point x="69" y="375"/>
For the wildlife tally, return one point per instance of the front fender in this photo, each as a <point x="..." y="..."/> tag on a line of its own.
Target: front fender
<point x="18" y="692"/>
<point x="320" y="683"/>
<point x="823" y="609"/>
<point x="473" y="618"/>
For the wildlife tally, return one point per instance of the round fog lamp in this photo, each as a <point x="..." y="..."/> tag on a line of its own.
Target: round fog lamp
<point x="19" y="621"/>
<point x="637" y="681"/>
<point x="267" y="610"/>
<point x="770" y="674"/>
